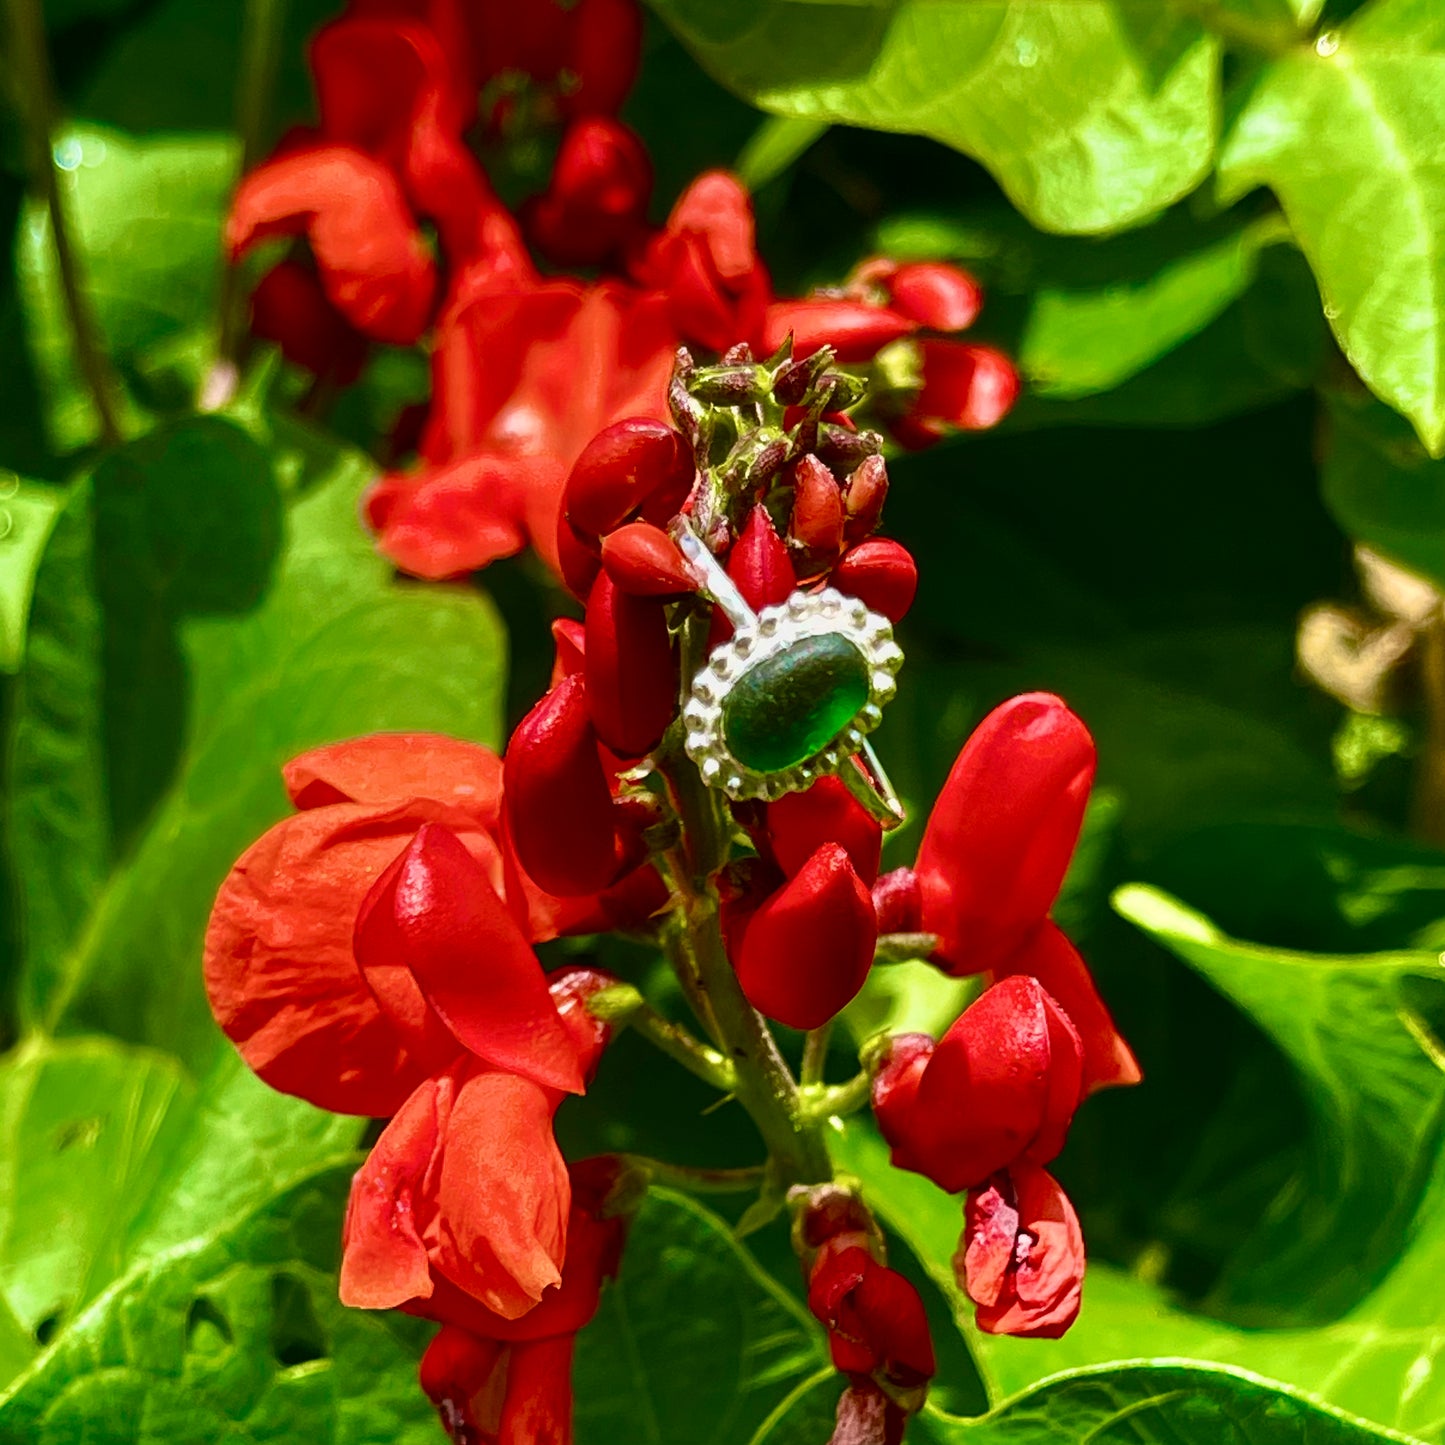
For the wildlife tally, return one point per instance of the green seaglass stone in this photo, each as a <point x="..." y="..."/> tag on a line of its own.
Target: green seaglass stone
<point x="792" y="705"/>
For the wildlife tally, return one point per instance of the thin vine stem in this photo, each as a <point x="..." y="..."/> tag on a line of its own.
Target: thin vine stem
<point x="35" y="91"/>
<point x="815" y="1055"/>
<point x="625" y="1005"/>
<point x="262" y="26"/>
<point x="696" y="1180"/>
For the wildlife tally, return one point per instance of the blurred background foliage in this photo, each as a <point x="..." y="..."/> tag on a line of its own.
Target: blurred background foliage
<point x="1213" y="234"/>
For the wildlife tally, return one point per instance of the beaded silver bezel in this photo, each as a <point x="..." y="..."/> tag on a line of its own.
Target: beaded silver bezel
<point x="774" y="630"/>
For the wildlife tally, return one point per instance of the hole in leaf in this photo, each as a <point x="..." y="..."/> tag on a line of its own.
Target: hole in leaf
<point x="296" y="1333"/>
<point x="45" y="1330"/>
<point x="207" y="1329"/>
<point x="78" y="1134"/>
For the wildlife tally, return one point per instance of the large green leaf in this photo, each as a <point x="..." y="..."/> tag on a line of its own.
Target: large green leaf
<point x="206" y="608"/>
<point x="146" y="221"/>
<point x="27" y="512"/>
<point x="1092" y="115"/>
<point x="688" y="1294"/>
<point x="1141" y="1404"/>
<point x="1357" y="1031"/>
<point x="1344" y="134"/>
<point x="112" y="1159"/>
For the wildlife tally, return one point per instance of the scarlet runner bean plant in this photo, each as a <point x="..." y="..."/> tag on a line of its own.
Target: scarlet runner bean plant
<point x="698" y="777"/>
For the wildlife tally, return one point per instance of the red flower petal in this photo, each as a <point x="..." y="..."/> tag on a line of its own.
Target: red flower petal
<point x="856" y="330"/>
<point x="386" y="768"/>
<point x="999" y="839"/>
<point x="798" y="824"/>
<point x="644" y="560"/>
<point x="434" y="915"/>
<point x="373" y="264"/>
<point x="807" y="950"/>
<point x="973" y="387"/>
<point x="1049" y="957"/>
<point x="629" y="667"/>
<point x="936" y="295"/>
<point x="384" y="1258"/>
<point x="502" y="1193"/>
<point x="559" y="805"/>
<point x="622" y="469"/>
<point x="279" y="968"/>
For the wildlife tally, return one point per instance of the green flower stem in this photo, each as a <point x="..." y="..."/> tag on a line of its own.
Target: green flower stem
<point x="624" y="1005"/>
<point x="839" y="1100"/>
<point x="29" y="66"/>
<point x="698" y="1181"/>
<point x="815" y="1055"/>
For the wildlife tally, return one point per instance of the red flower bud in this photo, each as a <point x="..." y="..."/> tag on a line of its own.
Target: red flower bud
<point x="644" y="560"/>
<point x="1021" y="1258"/>
<point x="433" y="934"/>
<point x="998" y="842"/>
<point x="899" y="902"/>
<point x="817" y="517"/>
<point x="854" y="329"/>
<point x="881" y="573"/>
<point x="798" y="824"/>
<point x="972" y="387"/>
<point x="759" y="564"/>
<point x="863" y="498"/>
<point x="598" y="197"/>
<point x="1001" y="1086"/>
<point x="936" y="295"/>
<point x="576" y="558"/>
<point x="875" y="1319"/>
<point x="630" y="670"/>
<point x="1048" y="956"/>
<point x="808" y="948"/>
<point x="636" y="465"/>
<point x="558" y="804"/>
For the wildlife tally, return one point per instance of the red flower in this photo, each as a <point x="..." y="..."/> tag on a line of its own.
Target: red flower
<point x="705" y="263"/>
<point x="875" y="1320"/>
<point x="373" y="264"/>
<point x="464" y="1199"/>
<point x="1000" y="1086"/>
<point x="509" y="1380"/>
<point x="279" y="966"/>
<point x="525" y="375"/>
<point x="596" y="204"/>
<point x="1021" y="1259"/>
<point x="290" y="308"/>
<point x="994" y="855"/>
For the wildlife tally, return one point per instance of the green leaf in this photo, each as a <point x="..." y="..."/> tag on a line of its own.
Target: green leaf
<point x="1343" y="133"/>
<point x="27" y="513"/>
<point x="112" y="1158"/>
<point x="1357" y="1031"/>
<point x="776" y="144"/>
<point x="1092" y="115"/>
<point x="206" y="608"/>
<point x="693" y="1342"/>
<point x="146" y="221"/>
<point x="1382" y="485"/>
<point x="1143" y="1404"/>
<point x="234" y="1335"/>
<point x="1180" y="321"/>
